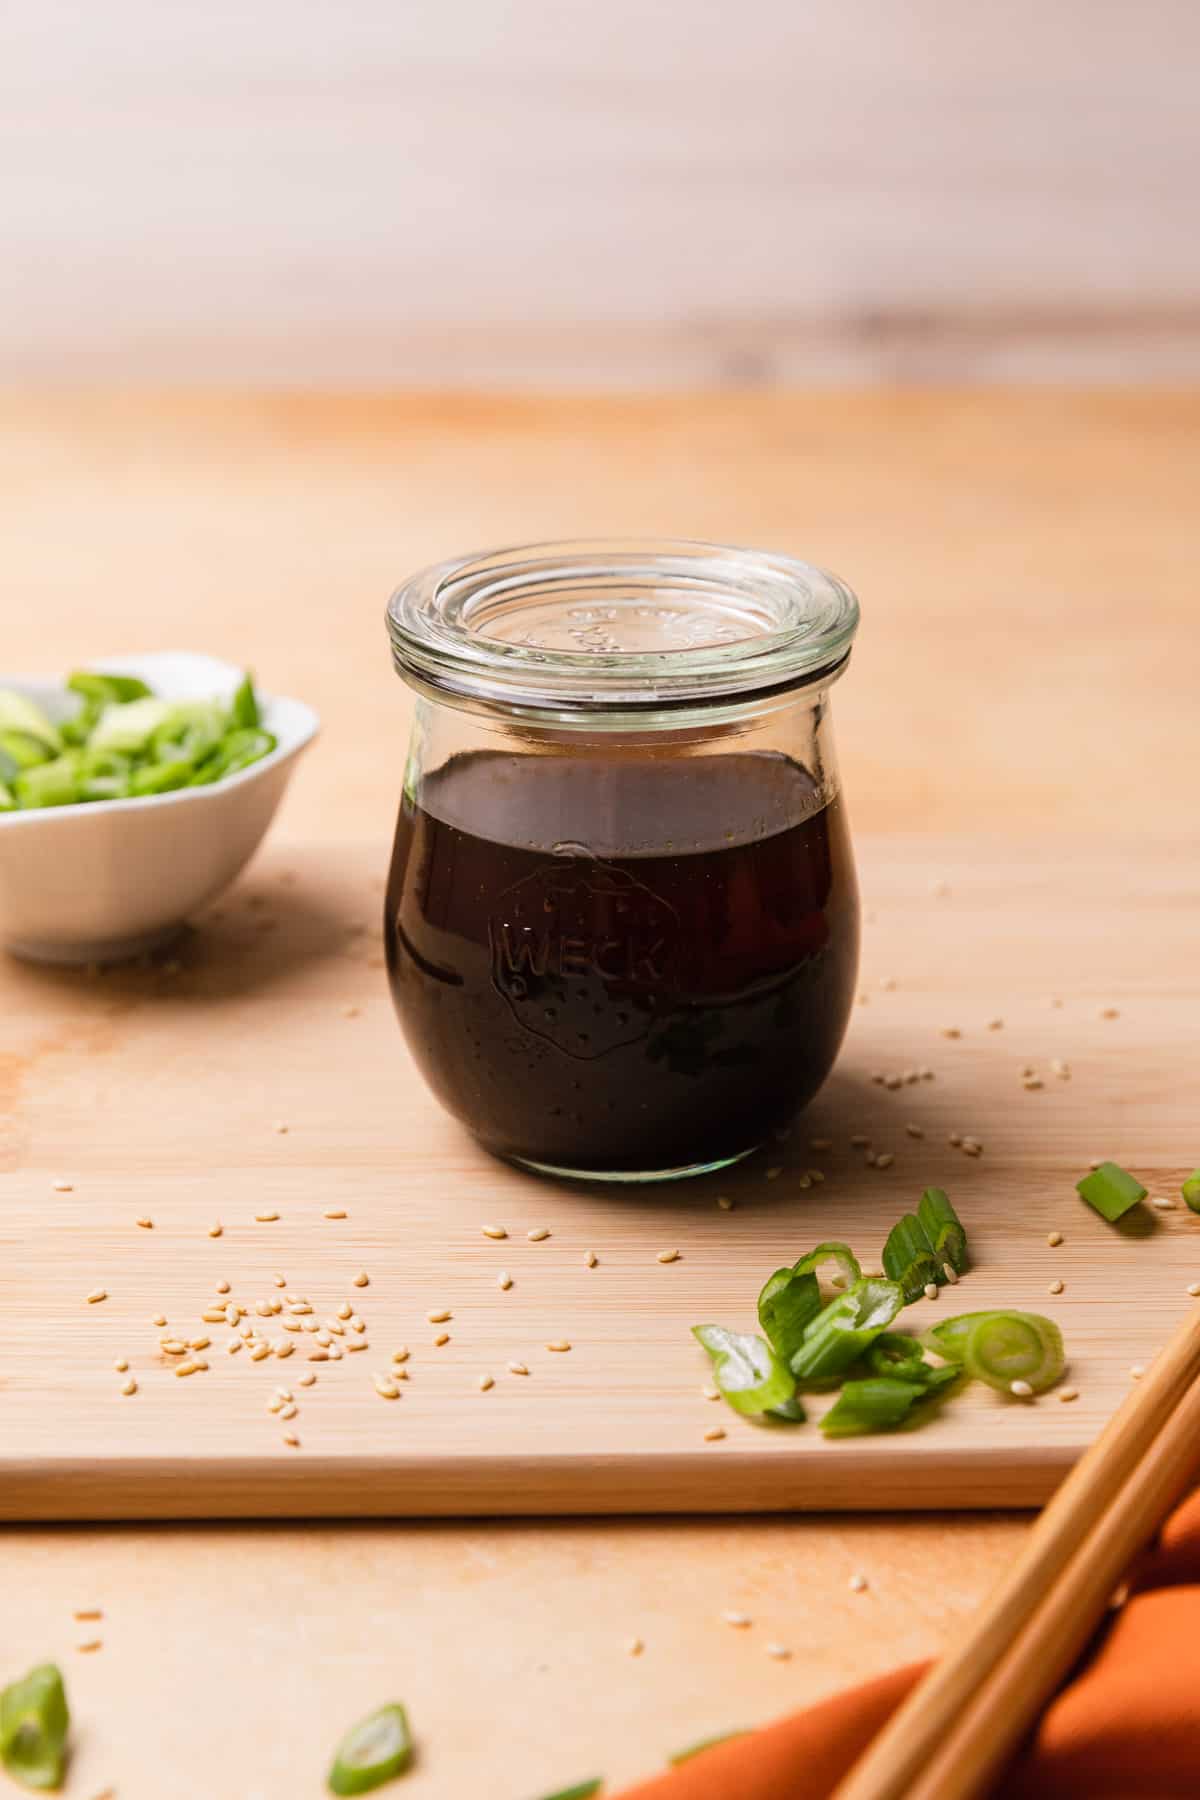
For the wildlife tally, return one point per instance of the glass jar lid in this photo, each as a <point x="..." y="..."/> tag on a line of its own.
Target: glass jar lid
<point x="597" y="627"/>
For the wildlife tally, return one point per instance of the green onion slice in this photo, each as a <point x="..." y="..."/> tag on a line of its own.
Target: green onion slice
<point x="244" y="708"/>
<point x="746" y="1369"/>
<point x="786" y="1305"/>
<point x="908" y="1258"/>
<point x="1003" y="1347"/>
<point x="844" y="1329"/>
<point x="707" y="1743"/>
<point x="372" y="1752"/>
<point x="34" y="1720"/>
<point x="944" y="1229"/>
<point x="21" y="715"/>
<point x="846" y="1264"/>
<point x="107" y="690"/>
<point x="583" y="1790"/>
<point x="1111" y="1191"/>
<point x="1191" y="1191"/>
<point x="895" y="1353"/>
<point x="881" y="1403"/>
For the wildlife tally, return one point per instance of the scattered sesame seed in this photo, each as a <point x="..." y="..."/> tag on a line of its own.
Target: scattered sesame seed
<point x="129" y="1386"/>
<point x="710" y="1393"/>
<point x="291" y="1440"/>
<point x="931" y="1290"/>
<point x="290" y="1324"/>
<point x="820" y="1143"/>
<point x="92" y="1644"/>
<point x="192" y="1366"/>
<point x="558" y="1344"/>
<point x="335" y="1212"/>
<point x="280" y="1282"/>
<point x="222" y="1287"/>
<point x="1136" y="1371"/>
<point x="1194" y="1289"/>
<point x="1031" y="1083"/>
<point x="443" y="1337"/>
<point x="858" y="1584"/>
<point x="972" y="1147"/>
<point x="1163" y="1203"/>
<point x="63" y="1187"/>
<point x="494" y="1231"/>
<point x="995" y="1024"/>
<point x="538" y="1234"/>
<point x="714" y="1434"/>
<point x="318" y="1356"/>
<point x="96" y="1295"/>
<point x="859" y="1141"/>
<point x="400" y="1355"/>
<point x="121" y="1364"/>
<point x="1068" y="1393"/>
<point x="780" y="1652"/>
<point x="350" y="1012"/>
<point x="517" y="1368"/>
<point x="280" y="1127"/>
<point x="439" y="1315"/>
<point x="955" y="1139"/>
<point x="1021" y="1389"/>
<point x="951" y="1273"/>
<point x="215" y="1315"/>
<point x="893" y="1082"/>
<point x="667" y="1256"/>
<point x="88" y="1615"/>
<point x="289" y="1411"/>
<point x="1054" y="1239"/>
<point x="308" y="1379"/>
<point x="915" y="1131"/>
<point x="504" y="1279"/>
<point x="591" y="1259"/>
<point x="634" y="1647"/>
<point x="804" y="1181"/>
<point x="146" y="1224"/>
<point x="285" y="1350"/>
<point x="266" y="1218"/>
<point x="386" y="1388"/>
<point x="1109" y="1012"/>
<point x="815" y="1174"/>
<point x="925" y="1074"/>
<point x="486" y="1382"/>
<point x="725" y="1203"/>
<point x="738" y="1620"/>
<point x="356" y="1344"/>
<point x="233" y="1346"/>
<point x="884" y="1160"/>
<point x="1056" y="1287"/>
<point x="199" y="1343"/>
<point x="259" y="1351"/>
<point x="1097" y="1162"/>
<point x="775" y="1171"/>
<point x="159" y="1319"/>
<point x="362" y="1279"/>
<point x="951" y="1031"/>
<point x="215" y="1229"/>
<point x="1060" y="1068"/>
<point x="878" y="1078"/>
<point x="887" y="983"/>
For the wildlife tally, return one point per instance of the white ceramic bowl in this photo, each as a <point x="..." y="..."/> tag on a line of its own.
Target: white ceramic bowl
<point x="112" y="878"/>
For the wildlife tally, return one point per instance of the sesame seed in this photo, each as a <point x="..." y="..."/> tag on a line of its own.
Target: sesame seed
<point x="878" y="1078"/>
<point x="63" y="1187"/>
<point x="972" y="1147"/>
<point x="667" y="1256"/>
<point x="494" y="1231"/>
<point x="1031" y="1083"/>
<point x="925" y="1074"/>
<point x="318" y="1356"/>
<point x="192" y="1366"/>
<point x="1068" y="1393"/>
<point x="774" y="1172"/>
<point x="858" y="1584"/>
<point x="325" y="1339"/>
<point x="738" y="1620"/>
<point x="291" y="1440"/>
<point x="335" y="1212"/>
<point x="951" y="1031"/>
<point x="290" y="1324"/>
<point x="885" y="1160"/>
<point x="486" y="1382"/>
<point x="129" y="1386"/>
<point x="199" y="1343"/>
<point x="591" y="1259"/>
<point x="504" y="1279"/>
<point x="356" y="1344"/>
<point x="951" y="1273"/>
<point x="804" y="1181"/>
<point x="724" y="1203"/>
<point x="558" y="1344"/>
<point x="96" y="1295"/>
<point x="400" y="1355"/>
<point x="1097" y="1162"/>
<point x="538" y="1234"/>
<point x="121" y="1364"/>
<point x="995" y="1024"/>
<point x="517" y="1368"/>
<point x="345" y="1310"/>
<point x="780" y="1652"/>
<point x="308" y="1379"/>
<point x="955" y="1139"/>
<point x="1060" y="1068"/>
<point x="266" y="1218"/>
<point x="931" y="1290"/>
<point x="714" y="1434"/>
<point x="215" y="1315"/>
<point x="146" y="1224"/>
<point x="1194" y="1289"/>
<point x="222" y="1287"/>
<point x="1021" y="1389"/>
<point x="893" y="1082"/>
<point x="92" y="1644"/>
<point x="259" y="1351"/>
<point x="350" y="1012"/>
<point x="439" y="1316"/>
<point x="915" y="1131"/>
<point x="887" y="983"/>
<point x="443" y="1337"/>
<point x="289" y="1411"/>
<point x="820" y="1143"/>
<point x="215" y="1229"/>
<point x="710" y="1393"/>
<point x="1054" y="1239"/>
<point x="280" y="1282"/>
<point x="280" y="1127"/>
<point x="233" y="1346"/>
<point x="1163" y="1204"/>
<point x="859" y="1141"/>
<point x="386" y="1388"/>
<point x="815" y="1174"/>
<point x="1136" y="1371"/>
<point x="634" y="1647"/>
<point x="172" y="1346"/>
<point x="1109" y="1012"/>
<point x="285" y="1350"/>
<point x="362" y="1279"/>
<point x="1056" y="1287"/>
<point x="88" y="1615"/>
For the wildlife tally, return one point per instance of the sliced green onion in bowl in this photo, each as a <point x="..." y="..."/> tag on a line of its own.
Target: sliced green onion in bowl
<point x="746" y="1369"/>
<point x="1111" y="1191"/>
<point x="786" y="1304"/>
<point x="34" y="1721"/>
<point x="375" y="1750"/>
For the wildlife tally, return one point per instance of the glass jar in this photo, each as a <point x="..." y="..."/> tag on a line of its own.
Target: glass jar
<point x="622" y="916"/>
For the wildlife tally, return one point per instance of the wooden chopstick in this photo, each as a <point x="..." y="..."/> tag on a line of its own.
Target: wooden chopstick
<point x="961" y="1722"/>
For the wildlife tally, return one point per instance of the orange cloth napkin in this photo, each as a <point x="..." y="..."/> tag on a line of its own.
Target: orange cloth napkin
<point x="1127" y="1727"/>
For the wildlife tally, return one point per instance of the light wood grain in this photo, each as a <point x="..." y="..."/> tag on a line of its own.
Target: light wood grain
<point x="156" y="1094"/>
<point x="456" y="193"/>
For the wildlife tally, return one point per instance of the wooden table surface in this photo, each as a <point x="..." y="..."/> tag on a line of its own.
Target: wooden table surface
<point x="1026" y="666"/>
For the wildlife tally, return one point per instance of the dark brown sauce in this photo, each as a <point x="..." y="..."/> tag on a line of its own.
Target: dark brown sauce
<point x="623" y="965"/>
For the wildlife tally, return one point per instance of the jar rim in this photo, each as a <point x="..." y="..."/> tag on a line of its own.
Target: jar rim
<point x="591" y="626"/>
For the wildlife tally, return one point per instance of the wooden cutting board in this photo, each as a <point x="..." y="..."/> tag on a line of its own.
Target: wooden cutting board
<point x="160" y="1093"/>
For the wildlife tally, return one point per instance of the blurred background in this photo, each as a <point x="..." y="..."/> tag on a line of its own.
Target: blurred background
<point x="544" y="192"/>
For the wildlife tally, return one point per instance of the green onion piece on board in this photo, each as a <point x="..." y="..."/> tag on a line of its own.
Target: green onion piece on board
<point x="948" y="1338"/>
<point x="583" y="1790"/>
<point x="34" y="1720"/>
<point x="785" y="1307"/>
<point x="746" y="1369"/>
<point x="908" y="1258"/>
<point x="1003" y="1347"/>
<point x="895" y="1353"/>
<point x="708" y="1743"/>
<point x="790" y="1411"/>
<point x="372" y="1752"/>
<point x="844" y="1330"/>
<point x="1191" y="1191"/>
<point x="1111" y="1191"/>
<point x="243" y="708"/>
<point x="846" y="1264"/>
<point x="944" y="1229"/>
<point x="881" y="1403"/>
